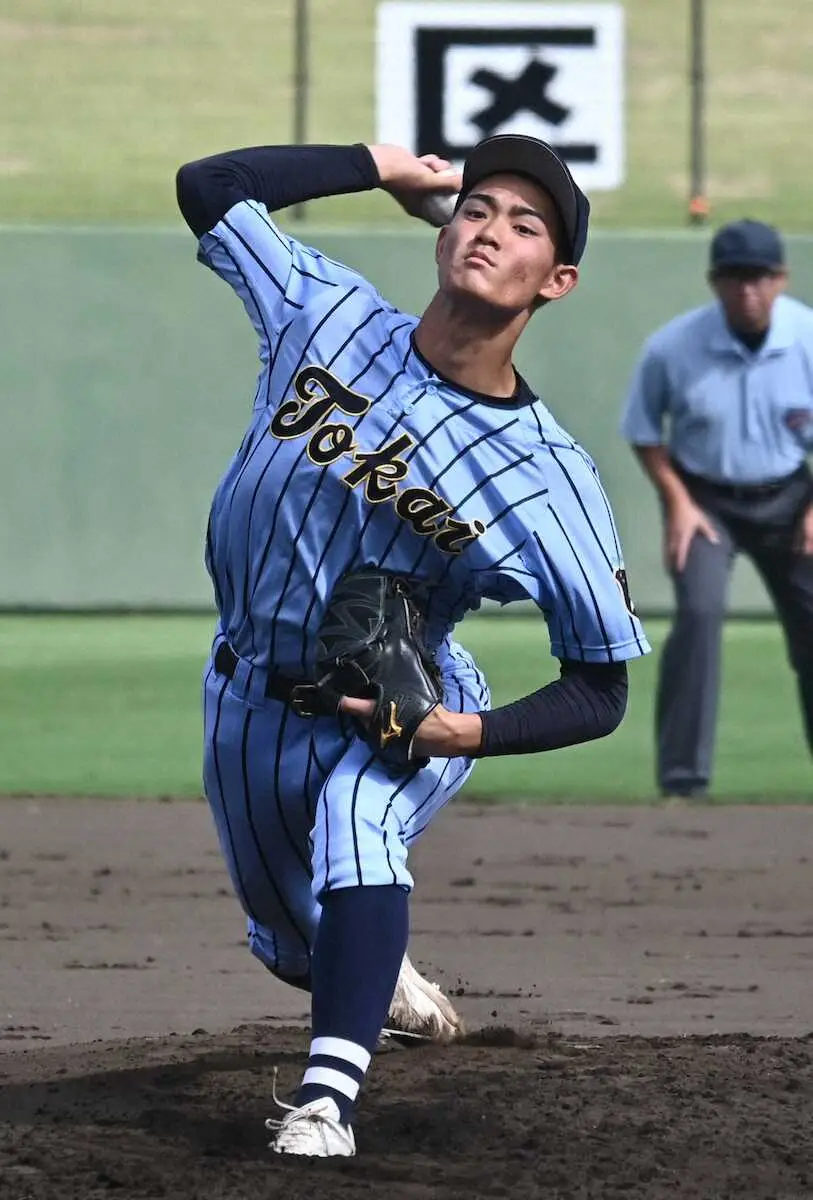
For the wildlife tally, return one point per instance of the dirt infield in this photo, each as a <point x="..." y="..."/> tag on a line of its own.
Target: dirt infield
<point x="637" y="983"/>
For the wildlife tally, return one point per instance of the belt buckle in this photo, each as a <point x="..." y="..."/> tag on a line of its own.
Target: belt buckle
<point x="305" y="699"/>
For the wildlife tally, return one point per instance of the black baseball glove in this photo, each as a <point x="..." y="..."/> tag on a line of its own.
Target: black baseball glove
<point x="370" y="645"/>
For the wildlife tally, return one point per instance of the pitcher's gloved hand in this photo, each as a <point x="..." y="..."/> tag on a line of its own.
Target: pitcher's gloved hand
<point x="370" y="647"/>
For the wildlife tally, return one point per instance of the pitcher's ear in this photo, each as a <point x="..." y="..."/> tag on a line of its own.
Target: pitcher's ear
<point x="562" y="279"/>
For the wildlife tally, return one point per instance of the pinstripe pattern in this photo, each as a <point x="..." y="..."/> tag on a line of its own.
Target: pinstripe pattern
<point x="313" y="334"/>
<point x="602" y="515"/>
<point x="568" y="605"/>
<point x="315" y="492"/>
<point x="482" y="480"/>
<point x="215" y="779"/>
<point x="385" y="832"/>
<point x="256" y="569"/>
<point x="278" y="284"/>
<point x="588" y="587"/>
<point x="268" y="875"/>
<point x="365" y="815"/>
<point x="262" y="791"/>
<point x="359" y="454"/>
<point x="229" y="266"/>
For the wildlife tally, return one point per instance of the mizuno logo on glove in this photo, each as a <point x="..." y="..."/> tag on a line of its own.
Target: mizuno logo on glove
<point x="392" y="729"/>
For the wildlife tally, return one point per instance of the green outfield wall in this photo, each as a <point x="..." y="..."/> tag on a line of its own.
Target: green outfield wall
<point x="127" y="373"/>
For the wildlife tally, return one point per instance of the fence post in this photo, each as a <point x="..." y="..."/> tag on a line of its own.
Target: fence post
<point x="300" y="122"/>
<point x="698" y="200"/>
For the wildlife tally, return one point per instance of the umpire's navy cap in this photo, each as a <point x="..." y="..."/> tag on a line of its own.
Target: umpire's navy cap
<point x="517" y="154"/>
<point x="747" y="244"/>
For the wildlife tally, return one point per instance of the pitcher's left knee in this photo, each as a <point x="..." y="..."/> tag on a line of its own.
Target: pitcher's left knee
<point x="358" y="851"/>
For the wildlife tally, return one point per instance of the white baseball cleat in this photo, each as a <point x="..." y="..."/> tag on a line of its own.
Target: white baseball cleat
<point x="314" y="1130"/>
<point x="419" y="1009"/>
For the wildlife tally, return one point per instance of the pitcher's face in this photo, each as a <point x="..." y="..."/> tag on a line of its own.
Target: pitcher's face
<point x="501" y="248"/>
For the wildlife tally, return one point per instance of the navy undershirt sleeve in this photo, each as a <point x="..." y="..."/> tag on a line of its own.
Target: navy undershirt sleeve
<point x="275" y="175"/>
<point x="588" y="701"/>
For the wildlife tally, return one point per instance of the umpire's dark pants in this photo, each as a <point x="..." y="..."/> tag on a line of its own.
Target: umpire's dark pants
<point x="760" y="522"/>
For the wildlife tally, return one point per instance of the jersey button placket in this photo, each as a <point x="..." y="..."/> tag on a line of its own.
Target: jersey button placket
<point x="750" y="397"/>
<point x="405" y="403"/>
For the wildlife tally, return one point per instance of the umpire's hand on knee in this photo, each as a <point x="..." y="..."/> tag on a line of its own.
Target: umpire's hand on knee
<point x="803" y="538"/>
<point x="683" y="522"/>
<point x="442" y="733"/>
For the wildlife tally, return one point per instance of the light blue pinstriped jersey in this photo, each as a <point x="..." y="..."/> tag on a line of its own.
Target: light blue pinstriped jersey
<point x="359" y="455"/>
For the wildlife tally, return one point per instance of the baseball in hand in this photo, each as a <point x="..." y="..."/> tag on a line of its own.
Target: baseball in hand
<point x="437" y="208"/>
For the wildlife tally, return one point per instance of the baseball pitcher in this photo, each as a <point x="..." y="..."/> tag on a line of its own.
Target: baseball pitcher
<point x="394" y="473"/>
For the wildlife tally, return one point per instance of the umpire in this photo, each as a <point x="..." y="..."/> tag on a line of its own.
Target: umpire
<point x="720" y="415"/>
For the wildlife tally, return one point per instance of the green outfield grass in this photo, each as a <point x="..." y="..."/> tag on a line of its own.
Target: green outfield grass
<point x="110" y="706"/>
<point x="100" y="100"/>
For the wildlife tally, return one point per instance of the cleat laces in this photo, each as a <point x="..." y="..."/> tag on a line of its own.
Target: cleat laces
<point x="294" y="1133"/>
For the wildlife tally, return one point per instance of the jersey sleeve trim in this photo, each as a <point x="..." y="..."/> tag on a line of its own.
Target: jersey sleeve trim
<point x="614" y="652"/>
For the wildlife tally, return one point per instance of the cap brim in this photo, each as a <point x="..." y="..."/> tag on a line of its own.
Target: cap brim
<point x="746" y="262"/>
<point x="516" y="154"/>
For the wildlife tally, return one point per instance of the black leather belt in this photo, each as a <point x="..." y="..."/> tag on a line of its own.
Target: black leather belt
<point x="745" y="491"/>
<point x="303" y="696"/>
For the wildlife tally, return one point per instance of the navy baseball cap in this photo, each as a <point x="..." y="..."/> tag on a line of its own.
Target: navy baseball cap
<point x="747" y="244"/>
<point x="516" y="154"/>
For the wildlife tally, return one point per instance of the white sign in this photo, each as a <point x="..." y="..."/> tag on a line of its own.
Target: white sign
<point x="450" y="74"/>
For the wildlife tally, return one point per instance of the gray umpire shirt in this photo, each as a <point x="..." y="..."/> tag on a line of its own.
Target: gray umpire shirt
<point x="723" y="412"/>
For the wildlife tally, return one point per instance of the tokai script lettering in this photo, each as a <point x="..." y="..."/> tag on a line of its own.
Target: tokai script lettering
<point x="314" y="412"/>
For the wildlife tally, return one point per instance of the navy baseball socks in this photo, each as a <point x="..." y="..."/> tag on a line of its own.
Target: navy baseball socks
<point x="360" y="946"/>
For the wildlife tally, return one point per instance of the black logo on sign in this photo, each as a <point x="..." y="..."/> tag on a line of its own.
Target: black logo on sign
<point x="526" y="93"/>
<point x="511" y="96"/>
